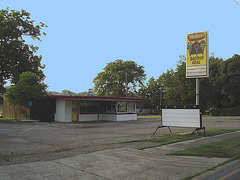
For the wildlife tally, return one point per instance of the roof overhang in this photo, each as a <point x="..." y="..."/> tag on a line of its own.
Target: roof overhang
<point x="97" y="98"/>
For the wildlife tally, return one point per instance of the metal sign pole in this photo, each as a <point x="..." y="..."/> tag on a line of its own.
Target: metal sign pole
<point x="197" y="91"/>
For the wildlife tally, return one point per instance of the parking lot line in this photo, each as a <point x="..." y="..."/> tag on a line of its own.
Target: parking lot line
<point x="29" y="129"/>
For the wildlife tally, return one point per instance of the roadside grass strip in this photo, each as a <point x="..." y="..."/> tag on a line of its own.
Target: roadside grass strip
<point x="166" y="139"/>
<point x="227" y="148"/>
<point x="9" y="156"/>
<point x="209" y="169"/>
<point x="2" y="120"/>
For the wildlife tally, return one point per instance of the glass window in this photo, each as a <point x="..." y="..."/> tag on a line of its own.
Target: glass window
<point x="88" y="107"/>
<point x="131" y="107"/>
<point x="110" y="107"/>
<point x="122" y="107"/>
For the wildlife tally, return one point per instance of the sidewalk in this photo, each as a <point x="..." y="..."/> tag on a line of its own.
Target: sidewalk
<point x="120" y="163"/>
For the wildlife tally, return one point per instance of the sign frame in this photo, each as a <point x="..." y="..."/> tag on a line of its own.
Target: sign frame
<point x="197" y="58"/>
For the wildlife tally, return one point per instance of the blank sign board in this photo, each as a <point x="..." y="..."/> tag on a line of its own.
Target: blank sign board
<point x="181" y="118"/>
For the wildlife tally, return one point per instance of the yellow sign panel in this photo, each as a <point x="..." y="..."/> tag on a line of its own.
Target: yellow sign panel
<point x="197" y="55"/>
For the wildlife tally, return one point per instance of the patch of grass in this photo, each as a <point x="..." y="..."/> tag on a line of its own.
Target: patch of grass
<point x="213" y="132"/>
<point x="223" y="149"/>
<point x="8" y="156"/>
<point x="9" y="120"/>
<point x="174" y="138"/>
<point x="204" y="115"/>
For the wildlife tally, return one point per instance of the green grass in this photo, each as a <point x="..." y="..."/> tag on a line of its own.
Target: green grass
<point x="174" y="138"/>
<point x="9" y="120"/>
<point x="8" y="156"/>
<point x="227" y="148"/>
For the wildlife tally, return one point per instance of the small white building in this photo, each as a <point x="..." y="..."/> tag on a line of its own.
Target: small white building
<point x="94" y="108"/>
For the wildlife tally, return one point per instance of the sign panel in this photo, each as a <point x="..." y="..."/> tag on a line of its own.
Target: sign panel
<point x="197" y="65"/>
<point x="181" y="118"/>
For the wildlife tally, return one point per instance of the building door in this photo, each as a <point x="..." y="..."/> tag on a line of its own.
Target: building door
<point x="75" y="111"/>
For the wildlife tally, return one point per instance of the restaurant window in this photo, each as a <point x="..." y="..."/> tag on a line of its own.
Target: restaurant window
<point x="88" y="107"/>
<point x="131" y="107"/>
<point x="110" y="107"/>
<point x="122" y="107"/>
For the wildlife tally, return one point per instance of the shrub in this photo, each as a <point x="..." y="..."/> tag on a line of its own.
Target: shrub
<point x="235" y="111"/>
<point x="214" y="111"/>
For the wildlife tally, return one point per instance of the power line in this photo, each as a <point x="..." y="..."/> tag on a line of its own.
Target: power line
<point x="238" y="2"/>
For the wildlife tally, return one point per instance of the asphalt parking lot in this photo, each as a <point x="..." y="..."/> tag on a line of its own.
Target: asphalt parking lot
<point x="41" y="141"/>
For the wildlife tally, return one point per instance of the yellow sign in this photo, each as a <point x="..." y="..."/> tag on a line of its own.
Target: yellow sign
<point x="197" y="55"/>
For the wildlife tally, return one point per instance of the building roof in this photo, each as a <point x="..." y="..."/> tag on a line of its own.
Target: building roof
<point x="97" y="98"/>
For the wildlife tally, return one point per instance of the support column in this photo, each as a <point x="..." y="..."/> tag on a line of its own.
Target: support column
<point x="197" y="91"/>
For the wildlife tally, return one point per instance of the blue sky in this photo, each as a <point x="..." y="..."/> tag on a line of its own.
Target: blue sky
<point x="84" y="35"/>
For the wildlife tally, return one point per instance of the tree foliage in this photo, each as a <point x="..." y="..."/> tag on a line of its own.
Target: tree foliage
<point x="29" y="88"/>
<point x="221" y="89"/>
<point x="16" y="56"/>
<point x="116" y="76"/>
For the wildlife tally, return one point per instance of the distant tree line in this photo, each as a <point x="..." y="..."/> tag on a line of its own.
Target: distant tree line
<point x="220" y="90"/>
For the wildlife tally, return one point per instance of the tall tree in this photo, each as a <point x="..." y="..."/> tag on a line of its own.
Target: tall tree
<point x="230" y="81"/>
<point x="29" y="88"/>
<point x="152" y="92"/>
<point x="117" y="76"/>
<point x="180" y="90"/>
<point x="16" y="56"/>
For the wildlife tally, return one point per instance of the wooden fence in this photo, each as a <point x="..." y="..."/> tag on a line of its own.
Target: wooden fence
<point x="11" y="111"/>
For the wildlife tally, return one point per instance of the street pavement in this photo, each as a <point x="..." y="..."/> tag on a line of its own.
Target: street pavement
<point x="121" y="163"/>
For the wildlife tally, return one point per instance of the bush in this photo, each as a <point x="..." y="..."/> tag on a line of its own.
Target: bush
<point x="235" y="111"/>
<point x="214" y="111"/>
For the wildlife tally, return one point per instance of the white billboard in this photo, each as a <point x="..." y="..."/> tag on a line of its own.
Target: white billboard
<point x="181" y="118"/>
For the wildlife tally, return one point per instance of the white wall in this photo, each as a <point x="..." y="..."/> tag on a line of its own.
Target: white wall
<point x="63" y="110"/>
<point x="89" y="117"/>
<point x="60" y="110"/>
<point x="109" y="117"/>
<point x="68" y="110"/>
<point x="126" y="117"/>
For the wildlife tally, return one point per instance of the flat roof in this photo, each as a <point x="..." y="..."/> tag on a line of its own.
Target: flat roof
<point x="97" y="98"/>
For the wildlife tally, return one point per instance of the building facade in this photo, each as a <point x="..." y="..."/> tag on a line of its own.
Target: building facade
<point x="94" y="108"/>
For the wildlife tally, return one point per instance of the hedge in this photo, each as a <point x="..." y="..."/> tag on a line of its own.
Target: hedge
<point x="235" y="111"/>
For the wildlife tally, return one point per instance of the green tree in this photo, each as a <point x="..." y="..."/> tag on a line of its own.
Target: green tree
<point x="118" y="75"/>
<point x="29" y="88"/>
<point x="150" y="91"/>
<point x="230" y="81"/>
<point x="16" y="56"/>
<point x="181" y="90"/>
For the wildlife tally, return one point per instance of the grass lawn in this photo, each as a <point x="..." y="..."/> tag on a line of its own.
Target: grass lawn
<point x="227" y="148"/>
<point x="9" y="120"/>
<point x="173" y="138"/>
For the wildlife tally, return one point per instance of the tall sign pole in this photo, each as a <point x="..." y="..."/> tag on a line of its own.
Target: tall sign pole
<point x="197" y="90"/>
<point x="197" y="62"/>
